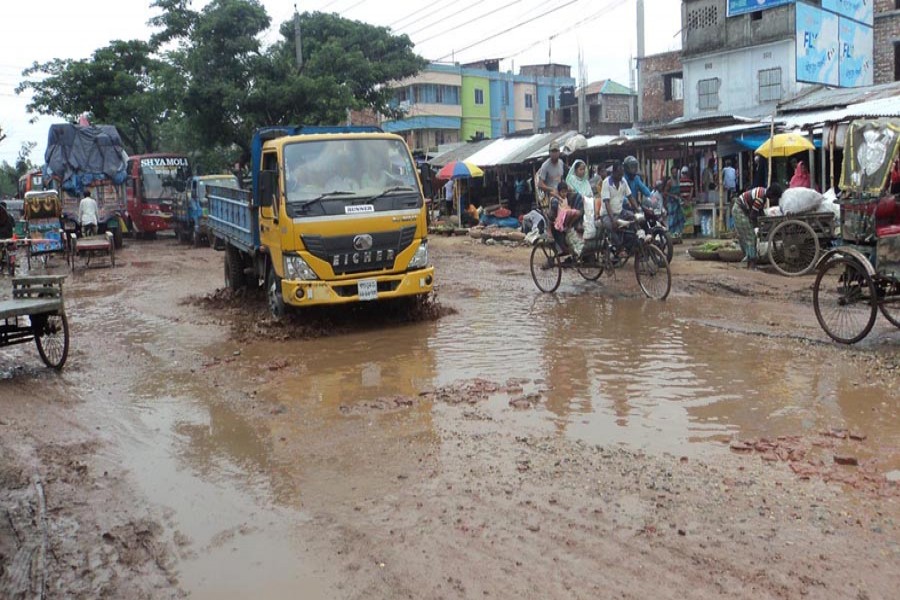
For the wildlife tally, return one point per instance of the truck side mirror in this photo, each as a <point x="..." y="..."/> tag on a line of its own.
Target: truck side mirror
<point x="425" y="177"/>
<point x="268" y="187"/>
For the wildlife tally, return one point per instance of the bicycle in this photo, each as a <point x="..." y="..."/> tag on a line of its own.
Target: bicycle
<point x="549" y="258"/>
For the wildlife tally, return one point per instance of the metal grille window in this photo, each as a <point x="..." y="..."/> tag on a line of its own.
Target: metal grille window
<point x="708" y="93"/>
<point x="703" y="17"/>
<point x="770" y="85"/>
<point x="479" y="96"/>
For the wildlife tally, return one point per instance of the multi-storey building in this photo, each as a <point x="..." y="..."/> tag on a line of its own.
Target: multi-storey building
<point x="887" y="41"/>
<point x="455" y="103"/>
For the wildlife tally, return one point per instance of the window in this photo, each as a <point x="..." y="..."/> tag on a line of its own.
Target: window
<point x="897" y="57"/>
<point x="505" y="89"/>
<point x="439" y="94"/>
<point x="529" y="101"/>
<point x="551" y="102"/>
<point x="479" y="96"/>
<point x="756" y="16"/>
<point x="770" y="85"/>
<point x="674" y="84"/>
<point x="708" y="93"/>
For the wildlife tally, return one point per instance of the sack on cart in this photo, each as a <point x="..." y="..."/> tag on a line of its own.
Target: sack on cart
<point x="795" y="201"/>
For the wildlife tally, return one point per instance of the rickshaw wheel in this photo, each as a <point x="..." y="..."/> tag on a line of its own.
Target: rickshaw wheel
<point x="793" y="248"/>
<point x="890" y="302"/>
<point x="651" y="268"/>
<point x="844" y="299"/>
<point x="592" y="266"/>
<point x="51" y="335"/>
<point x="546" y="270"/>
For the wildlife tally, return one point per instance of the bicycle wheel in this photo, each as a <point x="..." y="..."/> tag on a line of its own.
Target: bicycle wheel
<point x="652" y="272"/>
<point x="844" y="300"/>
<point x="591" y="267"/>
<point x="51" y="335"/>
<point x="546" y="270"/>
<point x="890" y="302"/>
<point x="793" y="248"/>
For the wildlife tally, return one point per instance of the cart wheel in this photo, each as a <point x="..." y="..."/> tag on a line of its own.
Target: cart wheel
<point x="51" y="335"/>
<point x="592" y="266"/>
<point x="793" y="248"/>
<point x="546" y="270"/>
<point x="651" y="268"/>
<point x="844" y="300"/>
<point x="890" y="302"/>
<point x="274" y="296"/>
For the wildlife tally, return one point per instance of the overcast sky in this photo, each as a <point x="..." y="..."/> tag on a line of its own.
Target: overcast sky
<point x="604" y="30"/>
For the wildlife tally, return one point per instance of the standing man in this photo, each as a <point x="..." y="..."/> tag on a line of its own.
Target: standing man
<point x="551" y="173"/>
<point x="87" y="215"/>
<point x="448" y="196"/>
<point x="729" y="182"/>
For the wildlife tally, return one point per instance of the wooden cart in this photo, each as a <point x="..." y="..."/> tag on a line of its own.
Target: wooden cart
<point x="92" y="248"/>
<point x="37" y="313"/>
<point x="794" y="243"/>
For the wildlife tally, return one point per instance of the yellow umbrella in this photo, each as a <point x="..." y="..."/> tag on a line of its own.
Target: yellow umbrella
<point x="784" y="144"/>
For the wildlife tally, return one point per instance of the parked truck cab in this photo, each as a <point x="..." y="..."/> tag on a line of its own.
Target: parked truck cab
<point x="191" y="209"/>
<point x="335" y="215"/>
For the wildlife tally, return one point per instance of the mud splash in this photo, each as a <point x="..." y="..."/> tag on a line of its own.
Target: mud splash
<point x="250" y="319"/>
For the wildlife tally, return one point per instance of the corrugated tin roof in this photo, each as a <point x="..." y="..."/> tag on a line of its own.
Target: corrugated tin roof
<point x="502" y="149"/>
<point x="461" y="153"/>
<point x="606" y="86"/>
<point x="707" y="133"/>
<point x="825" y="98"/>
<point x="543" y="149"/>
<point x="881" y="107"/>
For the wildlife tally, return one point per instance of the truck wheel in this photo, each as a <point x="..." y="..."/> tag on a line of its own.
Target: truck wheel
<point x="234" y="269"/>
<point x="273" y="295"/>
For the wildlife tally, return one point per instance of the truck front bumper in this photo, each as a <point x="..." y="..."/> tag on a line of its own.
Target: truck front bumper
<point x="312" y="293"/>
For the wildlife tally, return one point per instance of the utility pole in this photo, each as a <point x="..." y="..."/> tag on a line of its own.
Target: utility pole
<point x="297" y="42"/>
<point x="640" y="57"/>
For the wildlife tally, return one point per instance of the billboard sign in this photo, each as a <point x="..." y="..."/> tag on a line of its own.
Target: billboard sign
<point x="856" y="44"/>
<point x="740" y="7"/>
<point x="817" y="45"/>
<point x="858" y="10"/>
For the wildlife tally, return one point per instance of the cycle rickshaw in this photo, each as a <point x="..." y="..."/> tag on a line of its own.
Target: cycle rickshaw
<point x="862" y="276"/>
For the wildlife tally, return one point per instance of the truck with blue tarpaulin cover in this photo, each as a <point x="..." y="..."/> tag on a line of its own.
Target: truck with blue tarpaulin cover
<point x="333" y="215"/>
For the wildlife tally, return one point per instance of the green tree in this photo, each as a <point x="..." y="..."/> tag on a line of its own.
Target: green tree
<point x="121" y="84"/>
<point x="234" y="85"/>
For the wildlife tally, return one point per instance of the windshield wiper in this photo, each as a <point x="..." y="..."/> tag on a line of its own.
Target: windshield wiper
<point x="308" y="203"/>
<point x="390" y="190"/>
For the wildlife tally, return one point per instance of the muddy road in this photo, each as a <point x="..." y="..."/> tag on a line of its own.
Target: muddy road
<point x="500" y="444"/>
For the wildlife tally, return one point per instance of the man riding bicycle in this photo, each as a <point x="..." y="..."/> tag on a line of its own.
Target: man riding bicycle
<point x="614" y="206"/>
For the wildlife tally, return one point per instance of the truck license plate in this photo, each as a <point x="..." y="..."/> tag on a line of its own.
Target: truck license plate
<point x="367" y="289"/>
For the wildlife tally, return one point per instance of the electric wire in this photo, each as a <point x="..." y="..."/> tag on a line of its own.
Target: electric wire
<point x="440" y="19"/>
<point x="508" y="29"/>
<point x="481" y="16"/>
<point x="427" y="6"/>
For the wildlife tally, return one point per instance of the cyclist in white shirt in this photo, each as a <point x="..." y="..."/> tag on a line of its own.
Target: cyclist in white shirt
<point x="613" y="203"/>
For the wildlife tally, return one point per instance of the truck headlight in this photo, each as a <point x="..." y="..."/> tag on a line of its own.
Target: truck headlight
<point x="420" y="258"/>
<point x="296" y="268"/>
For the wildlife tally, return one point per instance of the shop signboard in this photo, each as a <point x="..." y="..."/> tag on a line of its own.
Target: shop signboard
<point x="817" y="34"/>
<point x="740" y="7"/>
<point x="857" y="44"/>
<point x="858" y="10"/>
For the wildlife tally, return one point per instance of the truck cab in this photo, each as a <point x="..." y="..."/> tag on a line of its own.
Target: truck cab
<point x="335" y="215"/>
<point x="191" y="209"/>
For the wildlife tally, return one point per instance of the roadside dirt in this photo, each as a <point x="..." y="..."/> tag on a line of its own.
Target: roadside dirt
<point x="192" y="447"/>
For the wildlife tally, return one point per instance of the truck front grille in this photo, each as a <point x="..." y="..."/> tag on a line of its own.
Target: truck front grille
<point x="345" y="257"/>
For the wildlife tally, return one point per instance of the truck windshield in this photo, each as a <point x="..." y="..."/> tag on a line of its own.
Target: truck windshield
<point x="324" y="177"/>
<point x="159" y="177"/>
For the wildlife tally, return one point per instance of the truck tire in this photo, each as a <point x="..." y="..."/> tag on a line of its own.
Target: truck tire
<point x="273" y="295"/>
<point x="234" y="269"/>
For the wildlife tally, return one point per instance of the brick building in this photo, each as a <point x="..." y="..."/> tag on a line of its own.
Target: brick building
<point x="663" y="87"/>
<point x="887" y="41"/>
